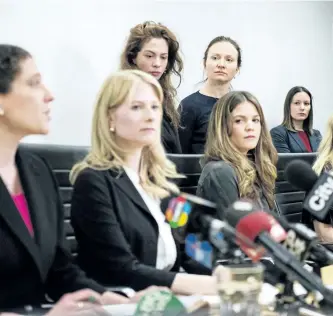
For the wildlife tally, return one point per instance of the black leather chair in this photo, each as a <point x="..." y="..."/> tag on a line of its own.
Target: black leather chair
<point x="61" y="159"/>
<point x="188" y="165"/>
<point x="289" y="198"/>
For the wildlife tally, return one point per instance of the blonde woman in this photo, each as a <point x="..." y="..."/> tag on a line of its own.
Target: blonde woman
<point x="324" y="163"/>
<point x="240" y="159"/>
<point x="122" y="234"/>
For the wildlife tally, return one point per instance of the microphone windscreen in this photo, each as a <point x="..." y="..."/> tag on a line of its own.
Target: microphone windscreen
<point x="300" y="174"/>
<point x="237" y="211"/>
<point x="255" y="223"/>
<point x="182" y="207"/>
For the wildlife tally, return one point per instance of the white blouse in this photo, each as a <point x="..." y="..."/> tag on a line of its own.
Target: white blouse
<point x="166" y="247"/>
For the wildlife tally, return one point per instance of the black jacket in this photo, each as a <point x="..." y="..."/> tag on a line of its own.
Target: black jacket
<point x="116" y="233"/>
<point x="286" y="141"/>
<point x="32" y="266"/>
<point x="170" y="137"/>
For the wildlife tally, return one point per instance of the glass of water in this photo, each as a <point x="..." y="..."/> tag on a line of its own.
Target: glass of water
<point x="239" y="287"/>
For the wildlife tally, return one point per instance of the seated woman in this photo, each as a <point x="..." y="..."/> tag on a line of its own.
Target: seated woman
<point x="240" y="159"/>
<point x="154" y="48"/>
<point x="122" y="234"/>
<point x="324" y="163"/>
<point x="296" y="134"/>
<point x="33" y="257"/>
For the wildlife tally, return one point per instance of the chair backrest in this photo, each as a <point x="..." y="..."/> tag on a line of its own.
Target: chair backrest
<point x="61" y="159"/>
<point x="289" y="198"/>
<point x="189" y="166"/>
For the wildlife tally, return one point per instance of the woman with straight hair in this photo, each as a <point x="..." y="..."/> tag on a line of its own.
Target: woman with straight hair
<point x="34" y="261"/>
<point x="154" y="48"/>
<point x="117" y="214"/>
<point x="222" y="61"/>
<point x="324" y="163"/>
<point x="239" y="159"/>
<point x="296" y="133"/>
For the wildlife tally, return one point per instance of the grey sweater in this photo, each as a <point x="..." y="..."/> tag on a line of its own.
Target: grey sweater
<point x="218" y="183"/>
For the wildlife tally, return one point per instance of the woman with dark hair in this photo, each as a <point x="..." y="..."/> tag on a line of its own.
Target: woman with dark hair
<point x="296" y="133"/>
<point x="240" y="159"/>
<point x="222" y="61"/>
<point x="153" y="48"/>
<point x="33" y="258"/>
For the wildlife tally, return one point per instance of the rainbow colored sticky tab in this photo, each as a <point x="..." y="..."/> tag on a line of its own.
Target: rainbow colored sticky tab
<point x="200" y="251"/>
<point x="162" y="303"/>
<point x="178" y="211"/>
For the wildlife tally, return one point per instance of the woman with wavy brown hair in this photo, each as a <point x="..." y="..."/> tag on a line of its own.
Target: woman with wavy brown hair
<point x="151" y="47"/>
<point x="240" y="159"/>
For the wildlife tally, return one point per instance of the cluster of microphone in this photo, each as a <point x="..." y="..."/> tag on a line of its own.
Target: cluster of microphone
<point x="246" y="233"/>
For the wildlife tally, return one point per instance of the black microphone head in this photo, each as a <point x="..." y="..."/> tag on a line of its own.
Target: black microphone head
<point x="300" y="174"/>
<point x="184" y="210"/>
<point x="237" y="211"/>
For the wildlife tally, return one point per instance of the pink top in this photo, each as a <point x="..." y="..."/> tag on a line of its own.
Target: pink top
<point x="22" y="205"/>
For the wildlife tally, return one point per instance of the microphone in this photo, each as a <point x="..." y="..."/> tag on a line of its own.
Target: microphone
<point x="262" y="228"/>
<point x="319" y="199"/>
<point x="302" y="242"/>
<point x="198" y="217"/>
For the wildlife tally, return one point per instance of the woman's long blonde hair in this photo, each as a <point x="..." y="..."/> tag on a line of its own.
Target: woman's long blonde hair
<point x="220" y="147"/>
<point x="155" y="168"/>
<point x="325" y="150"/>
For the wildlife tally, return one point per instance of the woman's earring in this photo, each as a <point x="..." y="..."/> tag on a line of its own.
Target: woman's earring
<point x="112" y="129"/>
<point x="2" y="112"/>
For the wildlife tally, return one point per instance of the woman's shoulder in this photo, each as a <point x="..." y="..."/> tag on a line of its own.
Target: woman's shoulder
<point x="91" y="174"/>
<point x="316" y="132"/>
<point x="279" y="129"/>
<point x="218" y="167"/>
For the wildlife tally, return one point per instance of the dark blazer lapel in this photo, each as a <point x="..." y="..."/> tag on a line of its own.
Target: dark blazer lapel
<point x="298" y="141"/>
<point x="125" y="184"/>
<point x="12" y="217"/>
<point x="32" y="183"/>
<point x="313" y="138"/>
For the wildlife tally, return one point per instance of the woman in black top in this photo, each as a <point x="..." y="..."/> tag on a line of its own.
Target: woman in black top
<point x="239" y="160"/>
<point x="296" y="134"/>
<point x="153" y="48"/>
<point x="222" y="61"/>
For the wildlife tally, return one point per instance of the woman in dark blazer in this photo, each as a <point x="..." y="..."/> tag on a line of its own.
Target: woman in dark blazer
<point x="153" y="48"/>
<point x="33" y="257"/>
<point x="119" y="223"/>
<point x="296" y="134"/>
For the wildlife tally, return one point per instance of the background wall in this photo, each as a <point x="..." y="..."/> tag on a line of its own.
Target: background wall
<point x="78" y="43"/>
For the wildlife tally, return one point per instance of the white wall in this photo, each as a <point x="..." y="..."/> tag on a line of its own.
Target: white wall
<point x="77" y="44"/>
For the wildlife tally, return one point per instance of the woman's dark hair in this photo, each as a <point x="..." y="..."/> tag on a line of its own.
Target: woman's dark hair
<point x="219" y="39"/>
<point x="287" y="119"/>
<point x="141" y="34"/>
<point x="10" y="59"/>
